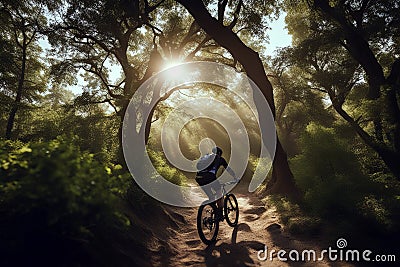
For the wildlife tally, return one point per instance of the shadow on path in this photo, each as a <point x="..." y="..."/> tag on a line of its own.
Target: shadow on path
<point x="231" y="254"/>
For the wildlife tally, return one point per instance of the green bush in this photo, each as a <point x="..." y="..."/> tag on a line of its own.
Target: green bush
<point x="54" y="200"/>
<point x="329" y="174"/>
<point x="295" y="220"/>
<point x="167" y="171"/>
<point x="339" y="191"/>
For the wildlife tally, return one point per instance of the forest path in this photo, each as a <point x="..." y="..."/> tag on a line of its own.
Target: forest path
<point x="258" y="227"/>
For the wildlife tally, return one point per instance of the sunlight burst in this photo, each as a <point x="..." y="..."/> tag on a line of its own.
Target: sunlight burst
<point x="174" y="69"/>
<point x="170" y="63"/>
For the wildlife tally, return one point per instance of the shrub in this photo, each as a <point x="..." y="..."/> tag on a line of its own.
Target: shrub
<point x="167" y="171"/>
<point x="54" y="199"/>
<point x="337" y="190"/>
<point x="329" y="174"/>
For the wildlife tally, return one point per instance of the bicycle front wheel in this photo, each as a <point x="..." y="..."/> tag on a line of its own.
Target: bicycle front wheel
<point x="207" y="223"/>
<point x="231" y="210"/>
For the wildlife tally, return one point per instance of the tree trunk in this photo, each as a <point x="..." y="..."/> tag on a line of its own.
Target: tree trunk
<point x="360" y="50"/>
<point x="120" y="153"/>
<point x="389" y="157"/>
<point x="282" y="181"/>
<point x="18" y="98"/>
<point x="391" y="160"/>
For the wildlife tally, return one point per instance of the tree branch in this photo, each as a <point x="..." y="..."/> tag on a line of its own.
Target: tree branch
<point x="394" y="76"/>
<point x="236" y="15"/>
<point x="194" y="28"/>
<point x="358" y="48"/>
<point x="99" y="74"/>
<point x="150" y="9"/>
<point x="226" y="38"/>
<point x="221" y="10"/>
<point x="199" y="46"/>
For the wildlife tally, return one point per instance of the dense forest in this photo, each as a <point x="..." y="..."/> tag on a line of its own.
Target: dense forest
<point x="68" y="70"/>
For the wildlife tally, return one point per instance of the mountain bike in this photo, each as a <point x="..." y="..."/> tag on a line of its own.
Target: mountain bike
<point x="208" y="221"/>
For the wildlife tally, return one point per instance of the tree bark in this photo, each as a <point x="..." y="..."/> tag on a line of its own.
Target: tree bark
<point x="282" y="181"/>
<point x="389" y="157"/>
<point x="18" y="98"/>
<point x="360" y="50"/>
<point x="393" y="80"/>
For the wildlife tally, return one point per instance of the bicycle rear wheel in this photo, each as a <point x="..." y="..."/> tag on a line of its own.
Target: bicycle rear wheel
<point x="231" y="210"/>
<point x="207" y="223"/>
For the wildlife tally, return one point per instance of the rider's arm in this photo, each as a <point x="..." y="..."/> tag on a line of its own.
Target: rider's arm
<point x="228" y="169"/>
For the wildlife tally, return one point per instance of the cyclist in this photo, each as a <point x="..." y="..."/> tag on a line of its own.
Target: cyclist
<point x="207" y="174"/>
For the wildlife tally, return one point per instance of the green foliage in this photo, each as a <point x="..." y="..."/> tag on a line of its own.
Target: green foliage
<point x="339" y="187"/>
<point x="293" y="217"/>
<point x="92" y="129"/>
<point x="56" y="200"/>
<point x="329" y="174"/>
<point x="164" y="169"/>
<point x="359" y="87"/>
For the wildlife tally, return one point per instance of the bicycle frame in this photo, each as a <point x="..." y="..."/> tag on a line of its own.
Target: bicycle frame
<point x="211" y="222"/>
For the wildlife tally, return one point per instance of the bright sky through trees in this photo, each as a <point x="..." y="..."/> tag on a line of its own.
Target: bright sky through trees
<point x="278" y="37"/>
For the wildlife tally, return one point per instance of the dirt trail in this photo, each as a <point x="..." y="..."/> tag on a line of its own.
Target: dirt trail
<point x="258" y="227"/>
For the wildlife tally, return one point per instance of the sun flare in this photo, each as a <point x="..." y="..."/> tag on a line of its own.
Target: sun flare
<point x="171" y="63"/>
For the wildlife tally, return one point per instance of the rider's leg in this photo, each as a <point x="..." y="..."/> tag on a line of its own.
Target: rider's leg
<point x="213" y="196"/>
<point x="219" y="195"/>
<point x="213" y="190"/>
<point x="220" y="200"/>
<point x="220" y="203"/>
<point x="204" y="180"/>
